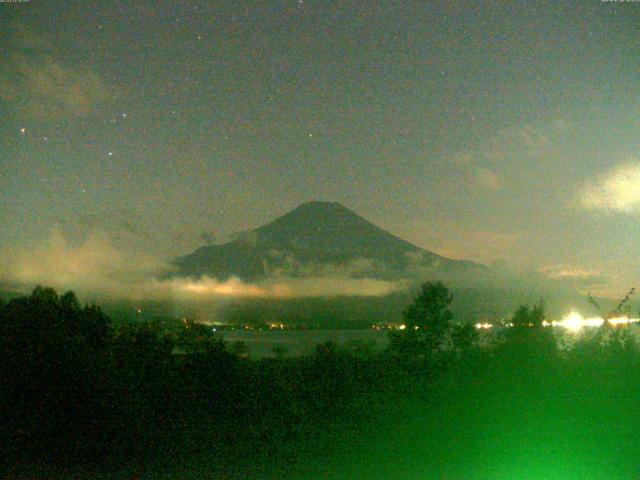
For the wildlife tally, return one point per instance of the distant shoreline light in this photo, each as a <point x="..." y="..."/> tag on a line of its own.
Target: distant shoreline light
<point x="573" y="321"/>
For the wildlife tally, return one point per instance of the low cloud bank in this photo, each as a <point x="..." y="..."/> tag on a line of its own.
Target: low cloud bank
<point x="97" y="267"/>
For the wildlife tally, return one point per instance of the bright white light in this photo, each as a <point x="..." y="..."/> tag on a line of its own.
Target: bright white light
<point x="622" y="321"/>
<point x="574" y="321"/>
<point x="483" y="326"/>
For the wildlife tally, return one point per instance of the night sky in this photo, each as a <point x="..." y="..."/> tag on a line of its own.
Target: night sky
<point x="501" y="132"/>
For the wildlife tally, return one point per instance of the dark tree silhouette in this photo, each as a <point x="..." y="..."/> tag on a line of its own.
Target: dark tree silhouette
<point x="430" y="310"/>
<point x="427" y="321"/>
<point x="464" y="336"/>
<point x="622" y="308"/>
<point x="528" y="338"/>
<point x="51" y="350"/>
<point x="529" y="317"/>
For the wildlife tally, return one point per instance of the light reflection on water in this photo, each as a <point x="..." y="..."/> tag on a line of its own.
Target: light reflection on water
<point x="261" y="343"/>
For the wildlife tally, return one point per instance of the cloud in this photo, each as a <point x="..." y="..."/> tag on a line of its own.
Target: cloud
<point x="487" y="179"/>
<point x="49" y="90"/>
<point x="568" y="271"/>
<point x="616" y="191"/>
<point x="39" y="86"/>
<point x="531" y="137"/>
<point x="460" y="241"/>
<point x="495" y="162"/>
<point x="280" y="287"/>
<point x="95" y="266"/>
<point x="461" y="158"/>
<point x="563" y="271"/>
<point x="522" y="140"/>
<point x="580" y="278"/>
<point x="477" y="176"/>
<point x="99" y="270"/>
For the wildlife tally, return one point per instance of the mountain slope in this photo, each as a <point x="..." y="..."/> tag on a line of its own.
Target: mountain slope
<point x="314" y="237"/>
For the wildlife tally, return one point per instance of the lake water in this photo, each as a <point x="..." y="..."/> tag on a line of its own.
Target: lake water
<point x="302" y="342"/>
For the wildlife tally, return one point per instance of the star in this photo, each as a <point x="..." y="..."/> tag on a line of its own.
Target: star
<point x="124" y="115"/>
<point x="23" y="131"/>
<point x="110" y="154"/>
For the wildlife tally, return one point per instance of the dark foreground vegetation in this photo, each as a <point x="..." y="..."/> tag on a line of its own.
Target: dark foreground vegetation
<point x="79" y="399"/>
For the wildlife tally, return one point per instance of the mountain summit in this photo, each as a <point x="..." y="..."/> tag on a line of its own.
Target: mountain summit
<point x="314" y="237"/>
